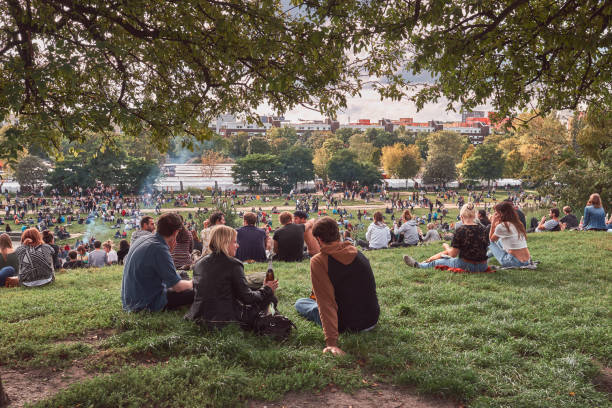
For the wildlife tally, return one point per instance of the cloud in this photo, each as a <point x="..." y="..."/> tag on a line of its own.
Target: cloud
<point x="369" y="106"/>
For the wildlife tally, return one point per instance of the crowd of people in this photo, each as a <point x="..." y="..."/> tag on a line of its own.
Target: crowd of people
<point x="343" y="294"/>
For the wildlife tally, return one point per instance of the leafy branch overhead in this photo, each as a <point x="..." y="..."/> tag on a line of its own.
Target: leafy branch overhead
<point x="163" y="68"/>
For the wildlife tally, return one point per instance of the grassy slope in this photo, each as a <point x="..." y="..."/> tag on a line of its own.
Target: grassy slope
<point x="513" y="338"/>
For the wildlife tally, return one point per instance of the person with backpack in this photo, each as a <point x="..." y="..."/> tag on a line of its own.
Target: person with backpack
<point x="343" y="285"/>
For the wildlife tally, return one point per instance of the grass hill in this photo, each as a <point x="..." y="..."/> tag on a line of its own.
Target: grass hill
<point x="513" y="338"/>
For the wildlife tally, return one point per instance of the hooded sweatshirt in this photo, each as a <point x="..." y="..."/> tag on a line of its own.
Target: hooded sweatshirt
<point x="378" y="235"/>
<point x="410" y="231"/>
<point x="345" y="290"/>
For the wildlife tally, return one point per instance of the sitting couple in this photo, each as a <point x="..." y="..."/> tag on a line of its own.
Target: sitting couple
<point x="218" y="294"/>
<point x="470" y="246"/>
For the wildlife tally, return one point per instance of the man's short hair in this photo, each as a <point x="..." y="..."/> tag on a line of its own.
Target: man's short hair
<point x="215" y="218"/>
<point x="145" y="220"/>
<point x="97" y="244"/>
<point x="250" y="218"/>
<point x="555" y="211"/>
<point x="300" y="214"/>
<point x="567" y="209"/>
<point x="168" y="223"/>
<point x="72" y="255"/>
<point x="326" y="229"/>
<point x="285" y="217"/>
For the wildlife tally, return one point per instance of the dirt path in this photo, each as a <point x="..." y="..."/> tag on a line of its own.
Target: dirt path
<point x="378" y="397"/>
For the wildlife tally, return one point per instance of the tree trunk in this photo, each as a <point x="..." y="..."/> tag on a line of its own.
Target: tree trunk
<point x="4" y="400"/>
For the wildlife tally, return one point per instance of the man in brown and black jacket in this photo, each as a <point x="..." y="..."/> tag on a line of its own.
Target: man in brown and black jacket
<point x="343" y="285"/>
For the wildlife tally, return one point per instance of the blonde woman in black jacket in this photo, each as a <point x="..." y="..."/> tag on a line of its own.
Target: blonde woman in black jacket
<point x="221" y="292"/>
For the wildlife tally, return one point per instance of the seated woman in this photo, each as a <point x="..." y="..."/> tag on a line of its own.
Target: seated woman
<point x="468" y="249"/>
<point x="82" y="254"/>
<point x="378" y="234"/>
<point x="221" y="292"/>
<point x="594" y="215"/>
<point x="9" y="263"/>
<point x="35" y="260"/>
<point x="181" y="253"/>
<point x="508" y="237"/>
<point x="124" y="248"/>
<point x="408" y="227"/>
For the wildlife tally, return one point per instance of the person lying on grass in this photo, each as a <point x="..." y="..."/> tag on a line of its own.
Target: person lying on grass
<point x="149" y="270"/>
<point x="468" y="249"/>
<point x="221" y="292"/>
<point x="508" y="237"/>
<point x="343" y="286"/>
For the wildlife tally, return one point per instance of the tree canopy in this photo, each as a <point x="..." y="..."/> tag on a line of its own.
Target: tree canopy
<point x="160" y="68"/>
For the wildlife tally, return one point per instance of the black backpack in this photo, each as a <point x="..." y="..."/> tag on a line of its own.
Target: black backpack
<point x="276" y="326"/>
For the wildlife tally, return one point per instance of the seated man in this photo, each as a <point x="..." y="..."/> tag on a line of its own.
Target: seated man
<point x="98" y="257"/>
<point x="289" y="240"/>
<point x="147" y="227"/>
<point x="149" y="279"/>
<point x="569" y="220"/>
<point x="550" y="225"/>
<point x="251" y="240"/>
<point x="73" y="262"/>
<point x="343" y="285"/>
<point x="301" y="218"/>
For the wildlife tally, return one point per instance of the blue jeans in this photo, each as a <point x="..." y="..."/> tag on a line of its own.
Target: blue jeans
<point x="308" y="308"/>
<point x="6" y="272"/>
<point x="456" y="263"/>
<point x="505" y="259"/>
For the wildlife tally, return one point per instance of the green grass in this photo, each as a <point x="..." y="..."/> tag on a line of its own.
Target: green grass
<point x="516" y="338"/>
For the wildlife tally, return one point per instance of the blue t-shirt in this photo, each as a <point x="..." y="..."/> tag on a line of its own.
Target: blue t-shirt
<point x="148" y="271"/>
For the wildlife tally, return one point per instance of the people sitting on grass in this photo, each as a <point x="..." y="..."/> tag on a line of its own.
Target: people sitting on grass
<point x="124" y="248"/>
<point x="432" y="234"/>
<point x="251" y="240"/>
<point x="221" y="292"/>
<point x="111" y="255"/>
<point x="98" y="257"/>
<point x="569" y="221"/>
<point x="288" y="240"/>
<point x="9" y="263"/>
<point x="594" y="215"/>
<point x="468" y="249"/>
<point x="147" y="227"/>
<point x="508" y="237"/>
<point x="343" y="285"/>
<point x="73" y="262"/>
<point x="378" y="234"/>
<point x="181" y="253"/>
<point x="407" y="227"/>
<point x="216" y="218"/>
<point x="150" y="281"/>
<point x="35" y="260"/>
<point x="301" y="218"/>
<point x="549" y="225"/>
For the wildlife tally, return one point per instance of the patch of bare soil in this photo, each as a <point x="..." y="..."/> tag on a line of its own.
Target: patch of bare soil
<point x="380" y="397"/>
<point x="603" y="382"/>
<point x="29" y="386"/>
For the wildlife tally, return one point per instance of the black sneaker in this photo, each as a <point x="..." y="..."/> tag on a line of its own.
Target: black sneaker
<point x="410" y="261"/>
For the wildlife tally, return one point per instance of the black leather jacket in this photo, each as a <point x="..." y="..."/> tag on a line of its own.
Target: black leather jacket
<point x="221" y="291"/>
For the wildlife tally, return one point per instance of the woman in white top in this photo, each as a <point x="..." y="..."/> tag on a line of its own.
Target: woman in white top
<point x="378" y="234"/>
<point x="508" y="237"/>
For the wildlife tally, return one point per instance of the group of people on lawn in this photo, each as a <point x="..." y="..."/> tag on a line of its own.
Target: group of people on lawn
<point x="343" y="286"/>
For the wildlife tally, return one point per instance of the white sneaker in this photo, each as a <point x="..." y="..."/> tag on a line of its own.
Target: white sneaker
<point x="410" y="261"/>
